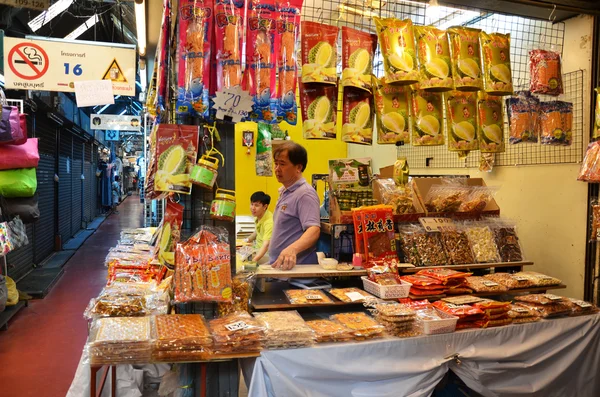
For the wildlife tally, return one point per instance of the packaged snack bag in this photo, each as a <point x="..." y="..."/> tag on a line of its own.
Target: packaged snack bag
<point x="392" y="106"/>
<point x="497" y="76"/>
<point x="319" y="110"/>
<point x="162" y="58"/>
<point x="545" y="71"/>
<point x="491" y="123"/>
<point x="466" y="61"/>
<point x="556" y="123"/>
<point x="357" y="116"/>
<point x="357" y="216"/>
<point x="461" y="115"/>
<point x="523" y="117"/>
<point x="170" y="233"/>
<point x="319" y="53"/>
<point x="428" y="116"/>
<point x="264" y="151"/>
<point x="195" y="36"/>
<point x="288" y="27"/>
<point x="596" y="133"/>
<point x="434" y="59"/>
<point x="397" y="42"/>
<point x="261" y="52"/>
<point x="358" y="49"/>
<point x="378" y="233"/>
<point x="230" y="21"/>
<point x="590" y="168"/>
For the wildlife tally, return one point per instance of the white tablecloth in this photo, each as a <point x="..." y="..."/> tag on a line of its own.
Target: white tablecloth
<point x="557" y="357"/>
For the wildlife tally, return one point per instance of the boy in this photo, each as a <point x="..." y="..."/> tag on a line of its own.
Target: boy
<point x="259" y="204"/>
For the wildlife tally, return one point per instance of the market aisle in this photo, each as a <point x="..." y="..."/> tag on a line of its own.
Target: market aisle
<point x="41" y="349"/>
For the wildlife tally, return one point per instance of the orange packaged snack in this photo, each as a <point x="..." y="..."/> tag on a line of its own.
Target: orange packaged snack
<point x="230" y="18"/>
<point x="545" y="71"/>
<point x="443" y="275"/>
<point x="379" y="233"/>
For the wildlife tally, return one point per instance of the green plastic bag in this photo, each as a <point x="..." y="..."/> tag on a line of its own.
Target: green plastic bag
<point x="18" y="183"/>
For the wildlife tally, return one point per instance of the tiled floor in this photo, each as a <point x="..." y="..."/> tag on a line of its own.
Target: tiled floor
<point x="41" y="349"/>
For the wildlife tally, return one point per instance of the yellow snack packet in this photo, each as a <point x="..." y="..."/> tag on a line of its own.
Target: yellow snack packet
<point x="397" y="43"/>
<point x="466" y="61"/>
<point x="433" y="49"/>
<point x="497" y="76"/>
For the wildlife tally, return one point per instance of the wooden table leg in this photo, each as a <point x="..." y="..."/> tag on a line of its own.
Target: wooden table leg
<point x="203" y="379"/>
<point x="93" y="372"/>
<point x="113" y="382"/>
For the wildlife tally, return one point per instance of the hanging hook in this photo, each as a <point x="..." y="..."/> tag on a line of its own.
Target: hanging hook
<point x="550" y="19"/>
<point x="320" y="16"/>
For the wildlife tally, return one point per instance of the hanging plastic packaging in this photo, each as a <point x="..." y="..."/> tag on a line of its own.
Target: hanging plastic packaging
<point x="319" y="110"/>
<point x="357" y="116"/>
<point x="230" y="21"/>
<point x="497" y="75"/>
<point x="195" y="36"/>
<point x="205" y="172"/>
<point x="261" y="51"/>
<point x="545" y="71"/>
<point x="288" y="24"/>
<point x="358" y="49"/>
<point x="319" y="53"/>
<point x="427" y="114"/>
<point x="392" y="106"/>
<point x="397" y="43"/>
<point x="434" y="59"/>
<point x="491" y="123"/>
<point x="556" y="123"/>
<point x="523" y="117"/>
<point x="596" y="133"/>
<point x="170" y="233"/>
<point x="464" y="44"/>
<point x="590" y="168"/>
<point x="264" y="151"/>
<point x="461" y="115"/>
<point x="162" y="59"/>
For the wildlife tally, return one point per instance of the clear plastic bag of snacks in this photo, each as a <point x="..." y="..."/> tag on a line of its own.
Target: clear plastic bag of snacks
<point x="242" y="287"/>
<point x="285" y="329"/>
<point x="122" y="340"/>
<point x="237" y="332"/>
<point x="478" y="199"/>
<point x="360" y="323"/>
<point x="446" y="276"/>
<point x="510" y="281"/>
<point x="538" y="279"/>
<point x="307" y="297"/>
<point x="446" y="198"/>
<point x="457" y="247"/>
<point x="330" y="331"/>
<point x="483" y="243"/>
<point x="399" y="197"/>
<point x="581" y="308"/>
<point x="590" y="167"/>
<point x="507" y="241"/>
<point x="481" y="284"/>
<point x="408" y="238"/>
<point x="182" y="332"/>
<point x="430" y="249"/>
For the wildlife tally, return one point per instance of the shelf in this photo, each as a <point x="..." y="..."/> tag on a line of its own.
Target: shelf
<point x="274" y="299"/>
<point x="305" y="271"/>
<point x="482" y="294"/>
<point x="9" y="312"/>
<point x="469" y="266"/>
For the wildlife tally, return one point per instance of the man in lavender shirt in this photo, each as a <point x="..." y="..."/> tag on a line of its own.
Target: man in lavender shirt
<point x="296" y="219"/>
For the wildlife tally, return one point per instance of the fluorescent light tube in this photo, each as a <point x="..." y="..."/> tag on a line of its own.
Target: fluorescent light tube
<point x="46" y="16"/>
<point x="140" y="25"/>
<point x="82" y="28"/>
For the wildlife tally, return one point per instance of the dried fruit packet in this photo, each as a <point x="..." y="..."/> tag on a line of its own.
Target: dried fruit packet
<point x="590" y="167"/>
<point x="358" y="49"/>
<point x="427" y="114"/>
<point x="466" y="71"/>
<point x="397" y="43"/>
<point x="195" y="36"/>
<point x="288" y="27"/>
<point x="261" y="52"/>
<point x="556" y="123"/>
<point x="319" y="53"/>
<point x="162" y="59"/>
<point x="319" y="110"/>
<point x="170" y="234"/>
<point x="230" y="20"/>
<point x="491" y="123"/>
<point x="461" y="115"/>
<point x="392" y="106"/>
<point x="357" y="116"/>
<point x="497" y="76"/>
<point x="523" y="117"/>
<point x="434" y="58"/>
<point x="545" y="71"/>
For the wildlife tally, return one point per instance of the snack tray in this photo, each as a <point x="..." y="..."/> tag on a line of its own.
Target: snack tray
<point x="386" y="291"/>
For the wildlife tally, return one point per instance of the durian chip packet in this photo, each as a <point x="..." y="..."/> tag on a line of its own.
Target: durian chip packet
<point x="397" y="43"/>
<point x="357" y="116"/>
<point x="392" y="108"/>
<point x="461" y="116"/>
<point x="319" y="53"/>
<point x="497" y="76"/>
<point x="358" y="49"/>
<point x="428" y="117"/>
<point x="491" y="123"/>
<point x="433" y="49"/>
<point x="319" y="110"/>
<point x="466" y="61"/>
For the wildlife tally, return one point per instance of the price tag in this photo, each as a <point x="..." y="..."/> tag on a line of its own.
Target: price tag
<point x="314" y="297"/>
<point x="582" y="304"/>
<point x="237" y="326"/>
<point x="437" y="224"/>
<point x="553" y="297"/>
<point x="544" y="277"/>
<point x="454" y="306"/>
<point x="490" y="283"/>
<point x="355" y="296"/>
<point x="520" y="278"/>
<point x="520" y="309"/>
<point x="461" y="300"/>
<point x="233" y="102"/>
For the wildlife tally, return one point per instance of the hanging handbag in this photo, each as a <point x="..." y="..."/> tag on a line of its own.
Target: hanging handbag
<point x="13" y="125"/>
<point x="25" y="208"/>
<point x="21" y="156"/>
<point x="17" y="233"/>
<point x="5" y="244"/>
<point x="18" y="183"/>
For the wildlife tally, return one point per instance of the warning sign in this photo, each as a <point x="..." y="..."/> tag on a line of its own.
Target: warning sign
<point x="114" y="73"/>
<point x="28" y="61"/>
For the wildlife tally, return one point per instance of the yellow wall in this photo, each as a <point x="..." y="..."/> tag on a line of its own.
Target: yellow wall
<point x="319" y="152"/>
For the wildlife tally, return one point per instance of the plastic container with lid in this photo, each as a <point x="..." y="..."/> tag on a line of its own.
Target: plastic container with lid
<point x="205" y="172"/>
<point x="223" y="206"/>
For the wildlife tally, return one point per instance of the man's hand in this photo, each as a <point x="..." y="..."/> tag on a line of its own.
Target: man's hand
<point x="286" y="259"/>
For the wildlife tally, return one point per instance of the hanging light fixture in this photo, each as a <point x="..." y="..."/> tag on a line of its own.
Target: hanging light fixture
<point x="140" y="24"/>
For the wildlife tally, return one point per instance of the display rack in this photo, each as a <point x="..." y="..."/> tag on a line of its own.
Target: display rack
<point x="495" y="265"/>
<point x="10" y="311"/>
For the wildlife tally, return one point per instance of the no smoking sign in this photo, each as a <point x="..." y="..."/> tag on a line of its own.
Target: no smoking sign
<point x="28" y="61"/>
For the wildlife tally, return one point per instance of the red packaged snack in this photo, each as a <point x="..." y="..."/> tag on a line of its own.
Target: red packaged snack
<point x="444" y="275"/>
<point x="358" y="49"/>
<point x="590" y="168"/>
<point x="415" y="304"/>
<point x="545" y="71"/>
<point x="385" y="279"/>
<point x="357" y="117"/>
<point x="426" y="292"/>
<point x="319" y="53"/>
<point x="379" y="236"/>
<point x="470" y="324"/>
<point x="420" y="280"/>
<point x="359" y="245"/>
<point x="319" y="110"/>
<point x="230" y="20"/>
<point x="466" y="312"/>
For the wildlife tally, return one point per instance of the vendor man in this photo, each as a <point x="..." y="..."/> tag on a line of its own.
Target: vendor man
<point x="297" y="222"/>
<point x="259" y="204"/>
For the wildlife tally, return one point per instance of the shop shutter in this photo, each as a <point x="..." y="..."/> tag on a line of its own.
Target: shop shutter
<point x="65" y="169"/>
<point x="87" y="184"/>
<point x="94" y="182"/>
<point x="21" y="260"/>
<point x="76" y="186"/>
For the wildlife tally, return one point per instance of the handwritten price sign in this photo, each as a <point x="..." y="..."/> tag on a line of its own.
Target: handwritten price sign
<point x="233" y="102"/>
<point x="437" y="224"/>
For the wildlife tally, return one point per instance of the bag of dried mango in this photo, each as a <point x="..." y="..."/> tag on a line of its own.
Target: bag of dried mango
<point x="491" y="123"/>
<point x="466" y="70"/>
<point x="523" y="117"/>
<point x="427" y="115"/>
<point x="319" y="53"/>
<point x="461" y="115"/>
<point x="397" y="43"/>
<point x="433" y="51"/>
<point x="357" y="58"/>
<point x="392" y="106"/>
<point x="497" y="76"/>
<point x="357" y="116"/>
<point x="319" y="110"/>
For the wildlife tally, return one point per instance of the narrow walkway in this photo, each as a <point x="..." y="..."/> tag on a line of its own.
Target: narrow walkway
<point x="41" y="349"/>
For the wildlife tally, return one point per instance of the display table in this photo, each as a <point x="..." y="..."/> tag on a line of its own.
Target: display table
<point x="556" y="357"/>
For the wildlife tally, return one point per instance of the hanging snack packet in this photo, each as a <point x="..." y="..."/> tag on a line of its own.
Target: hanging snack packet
<point x="162" y="59"/>
<point x="319" y="110"/>
<point x="523" y="117"/>
<point x="461" y="115"/>
<point x="497" y="76"/>
<point x="397" y="43"/>
<point x="596" y="133"/>
<point x="465" y="58"/>
<point x="378" y="233"/>
<point x="427" y="114"/>
<point x="195" y="35"/>
<point x="491" y="123"/>
<point x="590" y="168"/>
<point x="264" y="151"/>
<point x="288" y="23"/>
<point x="434" y="58"/>
<point x="261" y="52"/>
<point x="230" y="20"/>
<point x="545" y="71"/>
<point x="358" y="49"/>
<point x="170" y="234"/>
<point x="392" y="106"/>
<point x="357" y="117"/>
<point x="556" y="123"/>
<point x="319" y="53"/>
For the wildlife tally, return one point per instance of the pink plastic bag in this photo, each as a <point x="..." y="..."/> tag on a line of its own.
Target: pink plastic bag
<point x="20" y="156"/>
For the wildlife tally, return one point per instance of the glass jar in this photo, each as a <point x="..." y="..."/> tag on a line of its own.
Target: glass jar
<point x="222" y="207"/>
<point x="205" y="173"/>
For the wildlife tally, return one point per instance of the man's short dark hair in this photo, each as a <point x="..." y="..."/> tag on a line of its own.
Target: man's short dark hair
<point x="296" y="153"/>
<point x="260" y="197"/>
